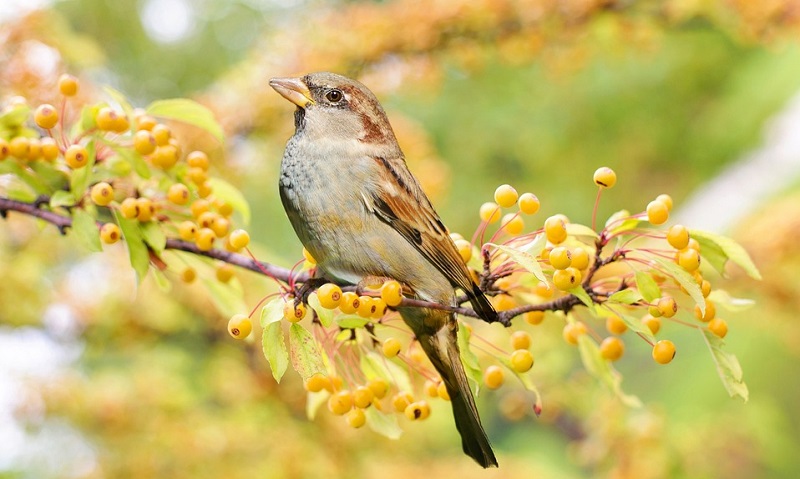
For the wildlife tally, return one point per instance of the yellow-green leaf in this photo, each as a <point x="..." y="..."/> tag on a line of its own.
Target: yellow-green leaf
<point x="351" y="321"/>
<point x="228" y="298"/>
<point x="305" y="352"/>
<point x="272" y="312"/>
<point x="383" y="424"/>
<point x="684" y="279"/>
<point x="626" y="296"/>
<point x="647" y="286"/>
<point x="137" y="250"/>
<point x="154" y="236"/>
<point x="579" y="230"/>
<point x="522" y="258"/>
<point x="273" y="344"/>
<point x="187" y="111"/>
<point x="728" y="368"/>
<point x="325" y="315"/>
<point x="374" y="365"/>
<point x="602" y="370"/>
<point x="85" y="230"/>
<point x="468" y="358"/>
<point x="230" y="194"/>
<point x="723" y="299"/>
<point x="718" y="249"/>
<point x="79" y="180"/>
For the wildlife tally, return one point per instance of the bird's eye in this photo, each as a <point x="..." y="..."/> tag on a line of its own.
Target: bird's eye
<point x="334" y="96"/>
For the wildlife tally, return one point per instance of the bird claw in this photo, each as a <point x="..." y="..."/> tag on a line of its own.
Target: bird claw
<point x="308" y="287"/>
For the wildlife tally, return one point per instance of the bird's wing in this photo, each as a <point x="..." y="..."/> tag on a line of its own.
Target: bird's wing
<point x="398" y="200"/>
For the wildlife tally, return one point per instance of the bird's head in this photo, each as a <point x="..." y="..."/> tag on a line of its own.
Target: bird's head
<point x="333" y="106"/>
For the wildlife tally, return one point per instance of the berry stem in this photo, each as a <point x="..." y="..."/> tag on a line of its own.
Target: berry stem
<point x="594" y="210"/>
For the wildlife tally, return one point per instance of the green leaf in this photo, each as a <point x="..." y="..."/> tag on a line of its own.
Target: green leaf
<point x="579" y="230"/>
<point x="51" y="178"/>
<point x="728" y="368"/>
<point x="718" y="249"/>
<point x="522" y="258"/>
<point x="163" y="283"/>
<point x="228" y="298"/>
<point x="626" y="296"/>
<point x="325" y="315"/>
<point x="722" y="298"/>
<point x="133" y="158"/>
<point x="79" y="180"/>
<point x="15" y="188"/>
<point x="581" y="294"/>
<point x="305" y="352"/>
<point x="22" y="184"/>
<point x="62" y="198"/>
<point x="524" y="378"/>
<point x="314" y="401"/>
<point x="15" y="117"/>
<point x="230" y="194"/>
<point x="351" y="321"/>
<point x="137" y="250"/>
<point x="623" y="221"/>
<point x="85" y="230"/>
<point x="272" y="312"/>
<point x="647" y="286"/>
<point x="383" y="424"/>
<point x="468" y="358"/>
<point x="187" y="111"/>
<point x="602" y="370"/>
<point x="274" y="346"/>
<point x="684" y="279"/>
<point x="374" y="365"/>
<point x="154" y="236"/>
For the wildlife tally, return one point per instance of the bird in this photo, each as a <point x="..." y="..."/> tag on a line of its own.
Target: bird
<point x="360" y="212"/>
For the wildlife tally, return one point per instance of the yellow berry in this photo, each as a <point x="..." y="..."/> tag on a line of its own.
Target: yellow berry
<point x="710" y="313"/>
<point x="401" y="400"/>
<point x="379" y="387"/>
<point x="543" y="290"/>
<point x="615" y="324"/>
<point x="693" y="244"/>
<point x="521" y="360"/>
<point x="109" y="233"/>
<point x="68" y="85"/>
<point x="664" y="351"/>
<point x="307" y="255"/>
<point x="666" y="199"/>
<point x="505" y="196"/>
<point x="145" y="123"/>
<point x="187" y="230"/>
<point x="204" y="239"/>
<point x="612" y="348"/>
<point x="520" y="340"/>
<point x="605" y="177"/>
<point x="46" y="116"/>
<point x="442" y="392"/>
<point x="362" y="397"/>
<point x="161" y="133"/>
<point x="129" y="208"/>
<point x="224" y="272"/>
<point x="378" y="308"/>
<point x="4" y="149"/>
<point x="493" y="377"/>
<point x="198" y="176"/>
<point x="391" y="347"/>
<point x="503" y="302"/>
<point x="294" y="313"/>
<point x="356" y="418"/>
<point x="188" y="275"/>
<point x="572" y="331"/>
<point x="49" y="149"/>
<point x="340" y="403"/>
<point x="464" y="249"/>
<point x="106" y="119"/>
<point x="667" y="306"/>
<point x="203" y="190"/>
<point x="718" y="326"/>
<point x="580" y="258"/>
<point x="528" y="203"/>
<point x="239" y="326"/>
<point x="566" y="279"/>
<point x="534" y="317"/>
<point x="349" y="303"/>
<point x="220" y="226"/>
<point x="419" y="410"/>
<point x="178" y="193"/>
<point x="76" y="156"/>
<point x="365" y="307"/>
<point x="317" y="382"/>
<point x="19" y="147"/>
<point x="560" y="258"/>
<point x="197" y="159"/>
<point x="705" y="288"/>
<point x="678" y="236"/>
<point x="146" y="209"/>
<point x="555" y="228"/>
<point x="657" y="212"/>
<point x="143" y="142"/>
<point x="239" y="239"/>
<point x="652" y="323"/>
<point x="431" y="388"/>
<point x="689" y="259"/>
<point x="165" y="157"/>
<point x="329" y="295"/>
<point x="489" y="212"/>
<point x="34" y="149"/>
<point x="513" y="224"/>
<point x="102" y="194"/>
<point x="392" y="293"/>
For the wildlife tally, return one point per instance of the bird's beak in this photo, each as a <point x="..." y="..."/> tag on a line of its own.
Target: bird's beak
<point x="294" y="90"/>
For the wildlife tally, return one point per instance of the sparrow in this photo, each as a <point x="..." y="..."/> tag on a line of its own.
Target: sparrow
<point x="360" y="212"/>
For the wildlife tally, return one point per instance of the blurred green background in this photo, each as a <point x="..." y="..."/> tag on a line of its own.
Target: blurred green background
<point x="533" y="93"/>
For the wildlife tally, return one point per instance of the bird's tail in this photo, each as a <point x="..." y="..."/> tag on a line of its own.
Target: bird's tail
<point x="481" y="305"/>
<point x="441" y="346"/>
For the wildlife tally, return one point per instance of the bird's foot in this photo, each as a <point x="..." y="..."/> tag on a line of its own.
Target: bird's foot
<point x="309" y="286"/>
